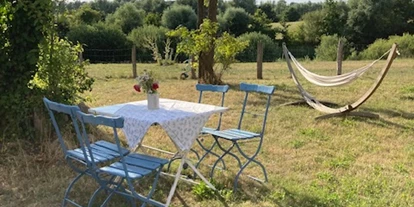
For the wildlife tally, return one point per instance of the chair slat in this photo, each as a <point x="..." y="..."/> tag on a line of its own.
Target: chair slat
<point x="119" y="171"/>
<point x="141" y="163"/>
<point x="99" y="146"/>
<point x="149" y="158"/>
<point x="132" y="166"/>
<point x="212" y="88"/>
<point x="257" y="88"/>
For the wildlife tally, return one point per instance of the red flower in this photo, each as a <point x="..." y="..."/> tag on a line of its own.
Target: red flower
<point x="155" y="86"/>
<point x="137" y="88"/>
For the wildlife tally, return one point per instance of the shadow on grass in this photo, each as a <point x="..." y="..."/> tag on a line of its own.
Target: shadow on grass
<point x="257" y="192"/>
<point x="394" y="113"/>
<point x="292" y="199"/>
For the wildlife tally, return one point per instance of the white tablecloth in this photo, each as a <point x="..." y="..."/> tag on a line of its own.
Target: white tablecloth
<point x="180" y="119"/>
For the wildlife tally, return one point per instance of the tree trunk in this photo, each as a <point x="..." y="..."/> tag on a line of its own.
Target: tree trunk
<point x="201" y="16"/>
<point x="206" y="60"/>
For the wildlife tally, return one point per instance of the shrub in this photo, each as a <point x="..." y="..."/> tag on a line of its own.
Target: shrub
<point x="153" y="38"/>
<point x="236" y="21"/>
<point x="270" y="51"/>
<point x="127" y="17"/>
<point x="380" y="46"/>
<point x="179" y="15"/>
<point x="328" y="48"/>
<point x="100" y="36"/>
<point x="61" y="77"/>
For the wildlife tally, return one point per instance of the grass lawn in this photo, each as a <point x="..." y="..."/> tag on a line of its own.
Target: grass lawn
<point x="347" y="161"/>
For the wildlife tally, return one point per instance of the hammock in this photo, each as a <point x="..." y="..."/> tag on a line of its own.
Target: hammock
<point x="335" y="80"/>
<point x="331" y="81"/>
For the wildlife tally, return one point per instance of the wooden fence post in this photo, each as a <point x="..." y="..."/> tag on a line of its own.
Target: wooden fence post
<point x="80" y="57"/>
<point x="134" y="61"/>
<point x="259" y="60"/>
<point x="339" y="57"/>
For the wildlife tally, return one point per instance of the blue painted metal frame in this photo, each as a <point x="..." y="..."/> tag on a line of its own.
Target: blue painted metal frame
<point x="103" y="150"/>
<point x="129" y="167"/>
<point x="223" y="89"/>
<point x="236" y="135"/>
<point x="203" y="88"/>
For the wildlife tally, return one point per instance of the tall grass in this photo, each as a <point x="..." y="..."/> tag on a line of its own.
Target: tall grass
<point x="344" y="161"/>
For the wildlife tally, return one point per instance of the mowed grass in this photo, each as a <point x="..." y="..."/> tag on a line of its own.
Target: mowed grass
<point x="343" y="161"/>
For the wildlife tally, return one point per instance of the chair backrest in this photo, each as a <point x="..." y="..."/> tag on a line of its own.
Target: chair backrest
<point x="96" y="120"/>
<point x="261" y="89"/>
<point x="54" y="108"/>
<point x="216" y="89"/>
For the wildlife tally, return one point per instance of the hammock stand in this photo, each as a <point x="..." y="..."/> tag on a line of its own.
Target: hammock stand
<point x="346" y="110"/>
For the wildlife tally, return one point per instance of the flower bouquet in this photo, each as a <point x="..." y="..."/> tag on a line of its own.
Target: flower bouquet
<point x="148" y="85"/>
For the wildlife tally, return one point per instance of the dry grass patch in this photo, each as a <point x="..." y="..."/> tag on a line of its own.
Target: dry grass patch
<point x="346" y="161"/>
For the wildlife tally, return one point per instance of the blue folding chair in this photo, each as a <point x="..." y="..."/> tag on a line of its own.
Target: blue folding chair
<point x="129" y="168"/>
<point x="204" y="88"/>
<point x="237" y="135"/>
<point x="102" y="151"/>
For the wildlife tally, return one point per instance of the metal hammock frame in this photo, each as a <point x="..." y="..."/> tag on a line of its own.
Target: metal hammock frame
<point x="347" y="109"/>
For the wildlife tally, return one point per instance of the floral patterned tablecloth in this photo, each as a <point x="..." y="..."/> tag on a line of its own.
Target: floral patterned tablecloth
<point x="181" y="120"/>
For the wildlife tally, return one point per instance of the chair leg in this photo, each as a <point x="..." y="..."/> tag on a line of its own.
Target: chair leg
<point x="65" y="198"/>
<point x="249" y="159"/>
<point x="208" y="151"/>
<point x="118" y="185"/>
<point x="196" y="153"/>
<point x="154" y="185"/>
<point x="224" y="154"/>
<point x="92" y="199"/>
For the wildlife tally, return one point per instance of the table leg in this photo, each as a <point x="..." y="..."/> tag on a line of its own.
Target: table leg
<point x="177" y="177"/>
<point x="199" y="174"/>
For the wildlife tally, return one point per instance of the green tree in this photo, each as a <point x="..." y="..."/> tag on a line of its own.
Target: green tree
<point x="153" y="6"/>
<point x="290" y="15"/>
<point x="303" y="8"/>
<point x="248" y="5"/>
<point x="260" y="23"/>
<point x="23" y="24"/>
<point x="179" y="15"/>
<point x="192" y="3"/>
<point x="153" y="38"/>
<point x="152" y="19"/>
<point x="127" y="17"/>
<point x="86" y="15"/>
<point x="335" y="16"/>
<point x="99" y="36"/>
<point x="105" y="6"/>
<point x="369" y="20"/>
<point x="269" y="9"/>
<point x="226" y="47"/>
<point x="328" y="48"/>
<point x="236" y="20"/>
<point x="280" y="8"/>
<point x="313" y="27"/>
<point x="207" y="11"/>
<point x="249" y="54"/>
<point x="30" y="48"/>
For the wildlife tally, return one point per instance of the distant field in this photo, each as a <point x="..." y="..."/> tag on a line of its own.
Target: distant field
<point x="292" y="25"/>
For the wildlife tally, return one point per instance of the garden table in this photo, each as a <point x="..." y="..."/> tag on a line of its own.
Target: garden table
<point x="181" y="120"/>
